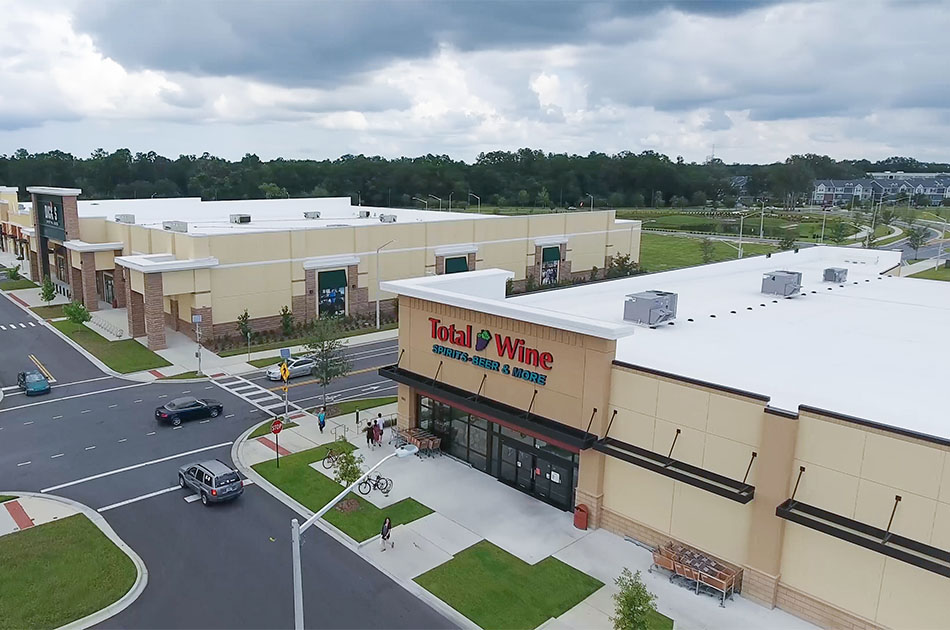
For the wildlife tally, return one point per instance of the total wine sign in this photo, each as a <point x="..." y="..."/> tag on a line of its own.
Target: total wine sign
<point x="511" y="351"/>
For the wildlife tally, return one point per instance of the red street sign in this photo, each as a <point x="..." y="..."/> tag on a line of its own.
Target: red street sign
<point x="276" y="426"/>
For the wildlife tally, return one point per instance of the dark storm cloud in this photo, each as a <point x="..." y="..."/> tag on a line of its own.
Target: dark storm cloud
<point x="325" y="43"/>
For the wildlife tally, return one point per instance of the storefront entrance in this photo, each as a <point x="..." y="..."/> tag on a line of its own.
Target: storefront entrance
<point x="530" y="464"/>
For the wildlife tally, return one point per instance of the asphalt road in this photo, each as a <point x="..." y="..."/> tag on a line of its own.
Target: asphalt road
<point x="21" y="336"/>
<point x="95" y="440"/>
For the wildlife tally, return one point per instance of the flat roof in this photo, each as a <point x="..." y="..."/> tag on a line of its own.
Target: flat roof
<point x="267" y="215"/>
<point x="874" y="347"/>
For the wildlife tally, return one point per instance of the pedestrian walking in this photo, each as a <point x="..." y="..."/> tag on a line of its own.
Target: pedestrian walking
<point x="385" y="534"/>
<point x="380" y="424"/>
<point x="369" y="433"/>
<point x="377" y="435"/>
<point x="322" y="418"/>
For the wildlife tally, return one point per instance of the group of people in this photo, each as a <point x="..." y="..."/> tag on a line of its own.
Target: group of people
<point x="374" y="431"/>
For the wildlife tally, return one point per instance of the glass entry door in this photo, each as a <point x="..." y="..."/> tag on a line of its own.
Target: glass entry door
<point x="547" y="477"/>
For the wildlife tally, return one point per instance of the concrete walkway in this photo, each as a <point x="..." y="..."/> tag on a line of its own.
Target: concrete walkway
<point x="470" y="506"/>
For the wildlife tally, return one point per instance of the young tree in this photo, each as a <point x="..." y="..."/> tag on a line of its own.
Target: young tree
<point x="348" y="468"/>
<point x="633" y="603"/>
<point x="47" y="290"/>
<point x="887" y="216"/>
<point x="838" y="233"/>
<point x="244" y="324"/>
<point x="76" y="312"/>
<point x="916" y="236"/>
<point x="707" y="248"/>
<point x="621" y="266"/>
<point x="787" y="240"/>
<point x="328" y="351"/>
<point x="544" y="198"/>
<point x="286" y="321"/>
<point x="637" y="201"/>
<point x="13" y="273"/>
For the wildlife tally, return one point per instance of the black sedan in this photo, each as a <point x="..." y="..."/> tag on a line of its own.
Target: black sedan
<point x="188" y="408"/>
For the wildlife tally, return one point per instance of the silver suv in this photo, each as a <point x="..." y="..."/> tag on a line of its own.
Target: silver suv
<point x="213" y="480"/>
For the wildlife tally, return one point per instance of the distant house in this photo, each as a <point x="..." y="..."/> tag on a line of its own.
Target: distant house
<point x="834" y="192"/>
<point x="883" y="186"/>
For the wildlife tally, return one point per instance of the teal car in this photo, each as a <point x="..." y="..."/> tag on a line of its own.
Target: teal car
<point x="33" y="383"/>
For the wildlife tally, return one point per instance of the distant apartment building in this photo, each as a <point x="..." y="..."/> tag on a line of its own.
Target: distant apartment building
<point x="886" y="186"/>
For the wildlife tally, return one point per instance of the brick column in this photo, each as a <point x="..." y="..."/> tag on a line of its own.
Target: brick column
<point x="75" y="281"/>
<point x="154" y="311"/>
<point x="34" y="264"/>
<point x="118" y="286"/>
<point x="357" y="298"/>
<point x="439" y="265"/>
<point x="471" y="261"/>
<point x="304" y="306"/>
<point x="71" y="217"/>
<point x="90" y="297"/>
<point x="135" y="305"/>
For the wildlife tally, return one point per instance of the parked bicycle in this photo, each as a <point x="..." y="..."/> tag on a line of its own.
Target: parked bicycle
<point x="378" y="483"/>
<point x="331" y="459"/>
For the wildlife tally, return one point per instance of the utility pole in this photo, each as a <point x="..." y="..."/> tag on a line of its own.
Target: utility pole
<point x="196" y="320"/>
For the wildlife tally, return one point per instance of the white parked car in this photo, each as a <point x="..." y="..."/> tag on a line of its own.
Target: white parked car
<point x="297" y="366"/>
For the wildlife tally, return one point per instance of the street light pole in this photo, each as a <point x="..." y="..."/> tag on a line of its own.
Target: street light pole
<point x="377" y="279"/>
<point x="440" y="201"/>
<point x="762" y="221"/>
<point x="450" y="200"/>
<point x="249" y="345"/>
<point x="297" y="529"/>
<point x="423" y="201"/>
<point x="477" y="198"/>
<point x="591" y="201"/>
<point x="741" y="221"/>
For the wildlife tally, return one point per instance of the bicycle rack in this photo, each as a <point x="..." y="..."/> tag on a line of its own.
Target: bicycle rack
<point x="335" y="431"/>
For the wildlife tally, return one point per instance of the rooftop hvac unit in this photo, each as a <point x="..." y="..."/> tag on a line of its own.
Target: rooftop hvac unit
<point x="175" y="226"/>
<point x="363" y="214"/>
<point x="784" y="283"/>
<point x="836" y="274"/>
<point x="650" y="307"/>
<point x="387" y="218"/>
<point x="125" y="218"/>
<point x="311" y="214"/>
<point x="240" y="218"/>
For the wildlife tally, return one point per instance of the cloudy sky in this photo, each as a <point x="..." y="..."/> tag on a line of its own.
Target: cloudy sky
<point x="311" y="79"/>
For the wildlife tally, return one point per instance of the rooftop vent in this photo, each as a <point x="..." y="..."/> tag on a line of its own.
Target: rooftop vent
<point x="387" y="218"/>
<point x="836" y="274"/>
<point x="175" y="226"/>
<point x="784" y="283"/>
<point x="650" y="308"/>
<point x="311" y="214"/>
<point x="363" y="214"/>
<point x="240" y="218"/>
<point x="125" y="218"/>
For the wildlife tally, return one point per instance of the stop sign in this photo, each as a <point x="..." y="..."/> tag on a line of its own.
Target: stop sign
<point x="276" y="426"/>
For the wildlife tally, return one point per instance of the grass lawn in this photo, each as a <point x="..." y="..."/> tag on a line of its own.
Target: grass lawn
<point x="299" y="341"/>
<point x="265" y="362"/>
<point x="498" y="590"/>
<point x="13" y="285"/>
<point x="123" y="356"/>
<point x="659" y="252"/>
<point x="314" y="490"/>
<point x="933" y="274"/>
<point x="264" y="429"/>
<point x="4" y="498"/>
<point x="56" y="573"/>
<point x="49" y="312"/>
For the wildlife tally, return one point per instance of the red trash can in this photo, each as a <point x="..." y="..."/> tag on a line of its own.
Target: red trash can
<point x="580" y="517"/>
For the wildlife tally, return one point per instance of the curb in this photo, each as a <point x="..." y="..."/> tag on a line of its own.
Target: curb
<point x="460" y="620"/>
<point x="141" y="578"/>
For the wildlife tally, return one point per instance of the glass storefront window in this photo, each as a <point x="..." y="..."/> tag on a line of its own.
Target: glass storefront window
<point x="331" y="287"/>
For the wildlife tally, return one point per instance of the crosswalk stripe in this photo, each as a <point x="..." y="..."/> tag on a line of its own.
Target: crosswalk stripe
<point x="3" y="327"/>
<point x="32" y="323"/>
<point x="22" y="325"/>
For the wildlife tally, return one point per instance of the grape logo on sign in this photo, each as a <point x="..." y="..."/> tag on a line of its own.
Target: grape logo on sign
<point x="482" y="340"/>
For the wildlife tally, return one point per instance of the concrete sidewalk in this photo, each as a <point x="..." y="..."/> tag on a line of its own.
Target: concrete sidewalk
<point x="25" y="512"/>
<point x="470" y="506"/>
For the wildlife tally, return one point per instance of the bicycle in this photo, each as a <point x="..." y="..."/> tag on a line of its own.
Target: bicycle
<point x="331" y="458"/>
<point x="378" y="483"/>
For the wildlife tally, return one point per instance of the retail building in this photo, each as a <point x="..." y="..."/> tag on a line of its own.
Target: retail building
<point x="792" y="426"/>
<point x="167" y="260"/>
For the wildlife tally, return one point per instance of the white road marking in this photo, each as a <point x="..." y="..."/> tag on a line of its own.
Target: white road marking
<point x="31" y="324"/>
<point x="89" y="448"/>
<point x="164" y="396"/>
<point x="187" y="391"/>
<point x="9" y="388"/>
<point x="209" y="386"/>
<point x="85" y="411"/>
<point x="3" y="327"/>
<point x="55" y="456"/>
<point x="204" y="422"/>
<point x="176" y="428"/>
<point x="57" y="417"/>
<point x="88" y="380"/>
<point x="152" y="433"/>
<point x="113" y="406"/>
<point x="137" y="401"/>
<point x="12" y="325"/>
<point x="191" y="498"/>
<point x="123" y="440"/>
<point x="56" y="400"/>
<point x="24" y="464"/>
<point x="230" y="415"/>
<point x="30" y="422"/>
<point x="247" y="482"/>
<point x="135" y="499"/>
<point x="22" y="325"/>
<point x="135" y="466"/>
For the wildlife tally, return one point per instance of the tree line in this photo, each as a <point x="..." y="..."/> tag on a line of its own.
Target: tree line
<point x="523" y="178"/>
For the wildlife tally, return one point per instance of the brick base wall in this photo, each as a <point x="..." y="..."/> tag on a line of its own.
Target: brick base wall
<point x="258" y="324"/>
<point x="760" y="587"/>
<point x="818" y="612"/>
